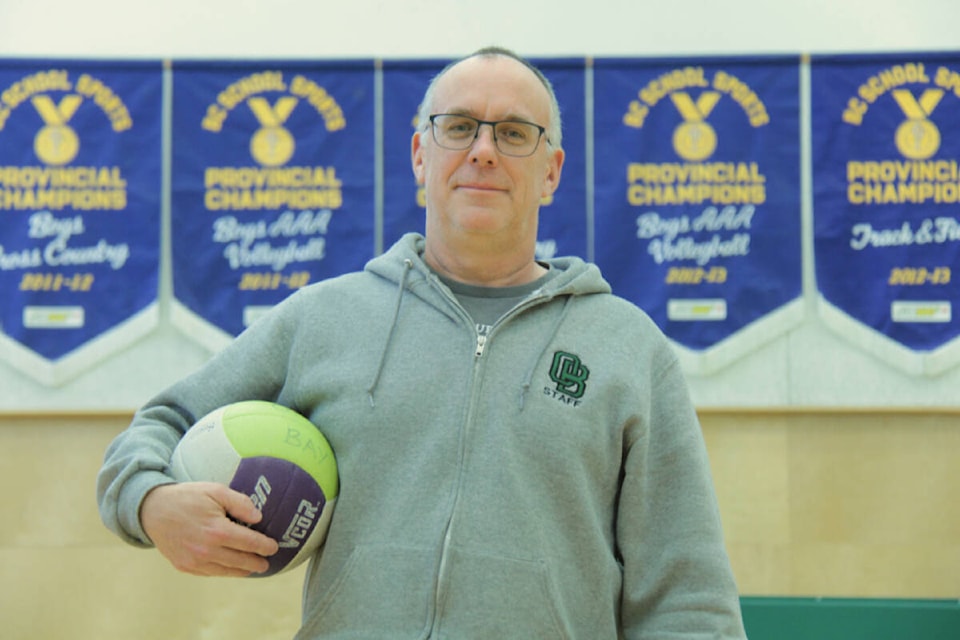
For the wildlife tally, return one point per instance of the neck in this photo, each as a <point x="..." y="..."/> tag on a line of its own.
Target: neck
<point x="485" y="267"/>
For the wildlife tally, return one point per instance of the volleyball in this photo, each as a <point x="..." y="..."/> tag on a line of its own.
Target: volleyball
<point x="278" y="458"/>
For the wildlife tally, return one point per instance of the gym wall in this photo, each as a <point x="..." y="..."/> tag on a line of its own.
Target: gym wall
<point x="835" y="467"/>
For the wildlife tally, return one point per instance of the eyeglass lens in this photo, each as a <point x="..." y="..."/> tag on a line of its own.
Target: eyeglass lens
<point x="512" y="137"/>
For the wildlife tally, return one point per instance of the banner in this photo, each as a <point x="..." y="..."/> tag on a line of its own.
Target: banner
<point x="886" y="185"/>
<point x="404" y="83"/>
<point x="80" y="190"/>
<point x="564" y="216"/>
<point x="273" y="185"/>
<point x="697" y="191"/>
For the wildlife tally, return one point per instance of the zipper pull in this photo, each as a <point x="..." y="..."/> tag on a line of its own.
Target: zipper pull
<point x="483" y="330"/>
<point x="481" y="343"/>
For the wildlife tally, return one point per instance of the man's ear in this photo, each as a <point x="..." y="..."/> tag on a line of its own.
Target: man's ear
<point x="416" y="157"/>
<point x="552" y="177"/>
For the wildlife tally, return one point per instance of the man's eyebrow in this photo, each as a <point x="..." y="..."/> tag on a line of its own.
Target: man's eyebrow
<point x="510" y="117"/>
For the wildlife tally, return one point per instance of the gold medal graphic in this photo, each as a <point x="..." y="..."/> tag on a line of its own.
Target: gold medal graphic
<point x="917" y="138"/>
<point x="695" y="139"/>
<point x="272" y="146"/>
<point x="56" y="144"/>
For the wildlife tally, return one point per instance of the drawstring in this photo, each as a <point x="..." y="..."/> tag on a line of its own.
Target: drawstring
<point x="556" y="327"/>
<point x="407" y="266"/>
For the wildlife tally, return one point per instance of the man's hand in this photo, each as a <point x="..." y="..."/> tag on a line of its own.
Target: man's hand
<point x="188" y="523"/>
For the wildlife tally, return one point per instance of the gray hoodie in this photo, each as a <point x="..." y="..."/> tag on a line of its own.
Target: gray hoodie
<point x="547" y="480"/>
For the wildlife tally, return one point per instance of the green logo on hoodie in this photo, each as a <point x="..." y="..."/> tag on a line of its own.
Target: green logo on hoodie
<point x="569" y="374"/>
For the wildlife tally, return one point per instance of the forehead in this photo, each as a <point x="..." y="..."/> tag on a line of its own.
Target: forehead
<point x="492" y="86"/>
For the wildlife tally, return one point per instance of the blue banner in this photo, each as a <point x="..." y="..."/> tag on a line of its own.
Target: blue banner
<point x="272" y="186"/>
<point x="563" y="218"/>
<point x="404" y="83"/>
<point x="697" y="177"/>
<point x="80" y="185"/>
<point x="886" y="185"/>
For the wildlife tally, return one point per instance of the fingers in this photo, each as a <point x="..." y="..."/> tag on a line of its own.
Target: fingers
<point x="240" y="507"/>
<point x="205" y="559"/>
<point x="237" y="505"/>
<point x="188" y="523"/>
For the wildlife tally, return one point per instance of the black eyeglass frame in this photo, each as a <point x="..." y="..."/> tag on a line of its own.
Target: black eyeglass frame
<point x="493" y="127"/>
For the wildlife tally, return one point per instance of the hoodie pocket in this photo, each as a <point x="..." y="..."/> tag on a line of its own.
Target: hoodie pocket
<point x="488" y="596"/>
<point x="382" y="591"/>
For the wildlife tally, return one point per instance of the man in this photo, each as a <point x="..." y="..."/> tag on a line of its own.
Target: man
<point x="517" y="451"/>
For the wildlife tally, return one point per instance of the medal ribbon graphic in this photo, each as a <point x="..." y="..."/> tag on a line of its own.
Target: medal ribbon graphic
<point x="695" y="139"/>
<point x="272" y="145"/>
<point x="917" y="138"/>
<point x="56" y="143"/>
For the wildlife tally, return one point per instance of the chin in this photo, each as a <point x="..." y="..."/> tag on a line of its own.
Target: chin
<point x="482" y="220"/>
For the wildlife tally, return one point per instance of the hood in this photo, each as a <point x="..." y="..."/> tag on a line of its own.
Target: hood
<point x="403" y="265"/>
<point x="574" y="277"/>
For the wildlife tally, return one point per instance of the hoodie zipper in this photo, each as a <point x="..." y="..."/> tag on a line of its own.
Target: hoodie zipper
<point x="440" y="582"/>
<point x="482" y="340"/>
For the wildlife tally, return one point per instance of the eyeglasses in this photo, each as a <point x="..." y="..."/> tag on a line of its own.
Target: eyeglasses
<point x="457" y="132"/>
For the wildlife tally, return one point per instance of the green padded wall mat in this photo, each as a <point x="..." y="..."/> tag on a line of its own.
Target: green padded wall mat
<point x="768" y="618"/>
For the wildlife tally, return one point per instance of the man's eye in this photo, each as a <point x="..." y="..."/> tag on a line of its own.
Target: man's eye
<point x="513" y="133"/>
<point x="460" y="128"/>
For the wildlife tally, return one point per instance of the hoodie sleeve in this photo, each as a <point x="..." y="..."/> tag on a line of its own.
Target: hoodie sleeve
<point x="677" y="578"/>
<point x="252" y="367"/>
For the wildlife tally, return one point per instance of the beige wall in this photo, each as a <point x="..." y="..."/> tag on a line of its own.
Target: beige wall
<point x="814" y="503"/>
<point x="840" y="504"/>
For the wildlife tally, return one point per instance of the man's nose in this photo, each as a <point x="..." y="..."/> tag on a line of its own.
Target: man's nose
<point x="484" y="148"/>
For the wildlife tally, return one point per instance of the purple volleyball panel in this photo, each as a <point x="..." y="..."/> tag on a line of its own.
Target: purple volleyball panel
<point x="289" y="498"/>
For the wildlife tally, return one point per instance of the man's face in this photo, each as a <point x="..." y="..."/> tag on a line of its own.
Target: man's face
<point x="479" y="190"/>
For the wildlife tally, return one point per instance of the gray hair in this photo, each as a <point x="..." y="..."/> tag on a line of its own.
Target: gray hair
<point x="554" y="128"/>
